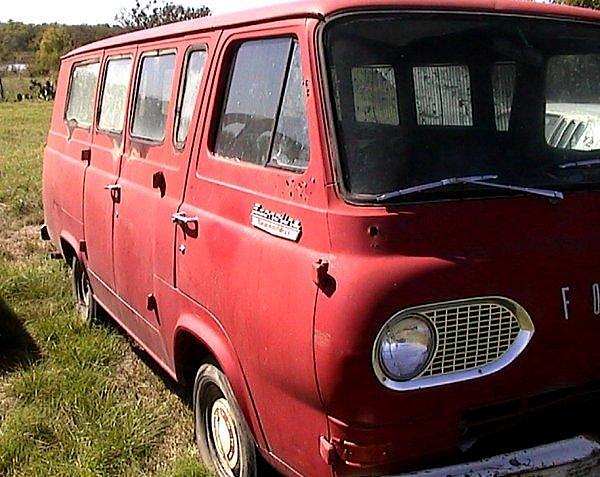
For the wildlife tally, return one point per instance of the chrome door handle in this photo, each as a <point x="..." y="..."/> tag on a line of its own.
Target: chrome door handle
<point x="112" y="187"/>
<point x="181" y="218"/>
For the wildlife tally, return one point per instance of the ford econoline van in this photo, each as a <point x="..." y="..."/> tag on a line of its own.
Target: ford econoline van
<point x="366" y="235"/>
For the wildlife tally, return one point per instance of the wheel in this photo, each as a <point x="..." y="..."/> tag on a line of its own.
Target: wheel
<point x="222" y="435"/>
<point x="82" y="293"/>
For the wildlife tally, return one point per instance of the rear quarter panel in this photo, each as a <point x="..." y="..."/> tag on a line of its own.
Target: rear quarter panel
<point x="63" y="169"/>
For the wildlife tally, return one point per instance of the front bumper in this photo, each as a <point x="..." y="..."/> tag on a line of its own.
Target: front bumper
<point x="579" y="456"/>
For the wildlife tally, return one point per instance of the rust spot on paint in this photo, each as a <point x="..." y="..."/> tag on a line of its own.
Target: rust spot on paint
<point x="139" y="150"/>
<point x="117" y="147"/>
<point x="322" y="339"/>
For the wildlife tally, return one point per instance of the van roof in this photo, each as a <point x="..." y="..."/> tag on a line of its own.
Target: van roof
<point x="323" y="8"/>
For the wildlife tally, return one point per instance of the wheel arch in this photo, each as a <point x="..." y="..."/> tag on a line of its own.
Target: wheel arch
<point x="196" y="342"/>
<point x="68" y="247"/>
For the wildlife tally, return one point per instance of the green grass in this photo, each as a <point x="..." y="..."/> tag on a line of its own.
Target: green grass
<point x="73" y="400"/>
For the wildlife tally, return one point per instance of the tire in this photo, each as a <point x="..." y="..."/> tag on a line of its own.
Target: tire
<point x="82" y="293"/>
<point x="222" y="435"/>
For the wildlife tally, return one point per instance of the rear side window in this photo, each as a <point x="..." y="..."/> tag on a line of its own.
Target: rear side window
<point x="80" y="107"/>
<point x="503" y="85"/>
<point x="443" y="95"/>
<point x="374" y="91"/>
<point x="264" y="115"/>
<point x="114" y="95"/>
<point x="152" y="96"/>
<point x="191" y="88"/>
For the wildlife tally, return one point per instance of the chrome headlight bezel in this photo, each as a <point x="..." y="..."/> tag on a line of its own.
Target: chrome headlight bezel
<point x="383" y="373"/>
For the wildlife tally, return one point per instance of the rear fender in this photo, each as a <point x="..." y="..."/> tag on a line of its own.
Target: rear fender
<point x="66" y="237"/>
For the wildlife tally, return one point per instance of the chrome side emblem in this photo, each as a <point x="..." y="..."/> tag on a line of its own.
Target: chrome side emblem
<point x="596" y="298"/>
<point x="275" y="223"/>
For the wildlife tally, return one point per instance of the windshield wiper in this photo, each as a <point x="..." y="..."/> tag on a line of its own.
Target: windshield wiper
<point x="575" y="164"/>
<point x="478" y="180"/>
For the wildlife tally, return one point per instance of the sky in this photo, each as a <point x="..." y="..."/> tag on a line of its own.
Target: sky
<point x="99" y="11"/>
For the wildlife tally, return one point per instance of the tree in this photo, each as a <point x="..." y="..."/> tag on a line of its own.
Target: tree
<point x="154" y="13"/>
<point x="15" y="39"/>
<point x="55" y="42"/>
<point x="84" y="34"/>
<point x="582" y="3"/>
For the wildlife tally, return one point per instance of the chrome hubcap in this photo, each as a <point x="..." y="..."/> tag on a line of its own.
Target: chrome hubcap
<point x="84" y="288"/>
<point x="225" y="435"/>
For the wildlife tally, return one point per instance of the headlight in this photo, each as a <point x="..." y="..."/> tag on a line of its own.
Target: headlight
<point x="405" y="346"/>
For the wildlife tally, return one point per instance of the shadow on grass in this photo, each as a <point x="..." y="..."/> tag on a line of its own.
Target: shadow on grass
<point x="17" y="347"/>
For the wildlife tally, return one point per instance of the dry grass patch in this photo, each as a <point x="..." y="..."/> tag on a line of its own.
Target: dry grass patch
<point x="73" y="400"/>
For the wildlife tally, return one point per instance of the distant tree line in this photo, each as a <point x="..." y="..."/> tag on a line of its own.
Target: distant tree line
<point x="154" y="13"/>
<point x="40" y="46"/>
<point x="581" y="3"/>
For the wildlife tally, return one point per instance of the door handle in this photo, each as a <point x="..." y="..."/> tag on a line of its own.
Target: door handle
<point x="115" y="191"/>
<point x="181" y="218"/>
<point x="112" y="187"/>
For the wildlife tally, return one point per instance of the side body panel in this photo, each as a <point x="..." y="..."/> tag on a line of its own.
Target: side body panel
<point x="260" y="287"/>
<point x="99" y="202"/>
<point x="151" y="183"/>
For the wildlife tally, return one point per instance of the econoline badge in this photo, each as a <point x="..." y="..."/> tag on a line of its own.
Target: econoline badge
<point x="275" y="223"/>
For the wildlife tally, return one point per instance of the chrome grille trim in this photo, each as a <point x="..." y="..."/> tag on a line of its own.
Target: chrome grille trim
<point x="475" y="337"/>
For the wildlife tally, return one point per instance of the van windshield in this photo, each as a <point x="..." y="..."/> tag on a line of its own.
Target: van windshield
<point x="422" y="97"/>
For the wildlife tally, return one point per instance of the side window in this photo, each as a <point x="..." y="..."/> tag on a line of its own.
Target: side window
<point x="152" y="97"/>
<point x="263" y="120"/>
<point x="374" y="88"/>
<point x="187" y="100"/>
<point x="80" y="108"/>
<point x="114" y="95"/>
<point x="573" y="102"/>
<point x="503" y="86"/>
<point x="443" y="95"/>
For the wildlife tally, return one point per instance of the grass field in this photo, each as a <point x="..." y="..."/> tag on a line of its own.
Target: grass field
<point x="74" y="401"/>
<point x="14" y="84"/>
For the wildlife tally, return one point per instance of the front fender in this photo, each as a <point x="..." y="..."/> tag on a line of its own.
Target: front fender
<point x="217" y="344"/>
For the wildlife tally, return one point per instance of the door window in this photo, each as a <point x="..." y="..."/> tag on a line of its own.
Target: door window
<point x="191" y="88"/>
<point x="152" y="96"/>
<point x="114" y="95"/>
<point x="264" y="116"/>
<point x="80" y="108"/>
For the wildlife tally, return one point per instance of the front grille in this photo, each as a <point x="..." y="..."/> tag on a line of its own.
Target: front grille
<point x="470" y="335"/>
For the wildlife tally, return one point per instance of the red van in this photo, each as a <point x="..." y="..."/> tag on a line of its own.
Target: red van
<point x="366" y="235"/>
